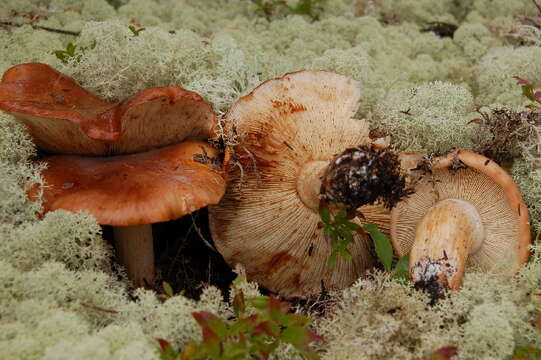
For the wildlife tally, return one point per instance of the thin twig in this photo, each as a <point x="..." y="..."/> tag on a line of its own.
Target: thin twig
<point x="201" y="235"/>
<point x="97" y="308"/>
<point x="60" y="31"/>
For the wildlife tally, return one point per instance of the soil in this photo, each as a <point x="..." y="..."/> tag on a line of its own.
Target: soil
<point x="182" y="258"/>
<point x="185" y="261"/>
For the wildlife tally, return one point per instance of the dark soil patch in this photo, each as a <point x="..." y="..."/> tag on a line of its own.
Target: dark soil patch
<point x="183" y="260"/>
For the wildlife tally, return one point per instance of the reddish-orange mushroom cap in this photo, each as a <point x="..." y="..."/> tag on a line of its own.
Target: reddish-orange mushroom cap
<point x="144" y="188"/>
<point x="64" y="118"/>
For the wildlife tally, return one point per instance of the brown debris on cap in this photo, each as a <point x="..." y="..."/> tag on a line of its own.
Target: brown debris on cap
<point x="289" y="129"/>
<point x="472" y="187"/>
<point x="64" y="118"/>
<point x="144" y="188"/>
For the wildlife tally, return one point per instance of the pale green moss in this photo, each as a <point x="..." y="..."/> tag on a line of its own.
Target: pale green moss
<point x="420" y="11"/>
<point x="72" y="239"/>
<point x="495" y="73"/>
<point x="121" y="64"/>
<point x="432" y="117"/>
<point x="38" y="46"/>
<point x="528" y="179"/>
<point x="474" y="39"/>
<point x="494" y="10"/>
<point x="356" y="63"/>
<point x="60" y="294"/>
<point x="17" y="173"/>
<point x="382" y="319"/>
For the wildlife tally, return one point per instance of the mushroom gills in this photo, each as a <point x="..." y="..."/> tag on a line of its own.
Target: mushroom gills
<point x="450" y="231"/>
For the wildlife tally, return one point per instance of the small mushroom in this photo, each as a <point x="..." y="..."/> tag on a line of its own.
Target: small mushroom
<point x="289" y="131"/>
<point x="130" y="192"/>
<point x="64" y="118"/>
<point x="466" y="212"/>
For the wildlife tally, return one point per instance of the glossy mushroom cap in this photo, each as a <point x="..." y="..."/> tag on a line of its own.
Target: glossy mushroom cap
<point x="64" y="118"/>
<point x="144" y="188"/>
<point x="289" y="129"/>
<point x="471" y="196"/>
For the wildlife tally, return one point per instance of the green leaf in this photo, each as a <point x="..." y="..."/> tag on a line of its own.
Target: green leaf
<point x="191" y="351"/>
<point x="341" y="216"/>
<point x="401" y="269"/>
<point x="239" y="305"/>
<point x="208" y="319"/>
<point x="135" y="31"/>
<point x="295" y="335"/>
<point x="167" y="289"/>
<point x="382" y="244"/>
<point x="345" y="253"/>
<point x="325" y="215"/>
<point x="211" y="343"/>
<point x="245" y="325"/>
<point x="352" y="226"/>
<point x="332" y="260"/>
<point x="259" y="302"/>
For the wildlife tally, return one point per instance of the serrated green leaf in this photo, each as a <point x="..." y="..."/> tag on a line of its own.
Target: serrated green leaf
<point x="382" y="244"/>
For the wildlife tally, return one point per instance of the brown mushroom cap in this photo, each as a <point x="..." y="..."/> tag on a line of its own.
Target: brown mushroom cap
<point x="471" y="177"/>
<point x="144" y="188"/>
<point x="289" y="129"/>
<point x="64" y="118"/>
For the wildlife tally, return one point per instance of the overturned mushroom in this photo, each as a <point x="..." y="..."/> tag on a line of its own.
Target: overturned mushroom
<point x="130" y="192"/>
<point x="289" y="130"/>
<point x="466" y="212"/>
<point x="64" y="118"/>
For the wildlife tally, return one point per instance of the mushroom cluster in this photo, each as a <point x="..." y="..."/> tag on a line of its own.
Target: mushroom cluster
<point x="296" y="148"/>
<point x="129" y="164"/>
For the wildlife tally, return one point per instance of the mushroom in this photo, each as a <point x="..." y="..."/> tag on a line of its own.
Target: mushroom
<point x="64" y="118"/>
<point x="130" y="192"/>
<point x="289" y="131"/>
<point x="466" y="212"/>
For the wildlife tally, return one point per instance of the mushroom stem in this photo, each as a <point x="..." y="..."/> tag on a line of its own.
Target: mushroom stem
<point x="450" y="231"/>
<point x="135" y="251"/>
<point x="309" y="183"/>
